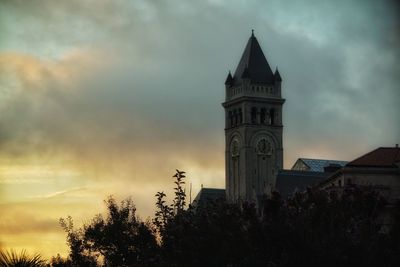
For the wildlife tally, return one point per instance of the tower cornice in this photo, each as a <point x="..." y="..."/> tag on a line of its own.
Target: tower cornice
<point x="255" y="126"/>
<point x="254" y="99"/>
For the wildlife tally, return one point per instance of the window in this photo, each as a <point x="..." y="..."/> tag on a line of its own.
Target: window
<point x="272" y="116"/>
<point x="263" y="116"/>
<point x="253" y="115"/>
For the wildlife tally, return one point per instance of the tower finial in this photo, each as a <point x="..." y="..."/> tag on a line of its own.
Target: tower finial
<point x="252" y="32"/>
<point x="277" y="76"/>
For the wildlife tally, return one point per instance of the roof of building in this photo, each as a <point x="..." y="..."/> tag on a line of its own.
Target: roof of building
<point x="289" y="181"/>
<point x="277" y="75"/>
<point x="318" y="165"/>
<point x="229" y="79"/>
<point x="380" y="157"/>
<point x="209" y="194"/>
<point x="253" y="65"/>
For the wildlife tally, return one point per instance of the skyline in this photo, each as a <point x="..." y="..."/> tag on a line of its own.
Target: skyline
<point x="112" y="97"/>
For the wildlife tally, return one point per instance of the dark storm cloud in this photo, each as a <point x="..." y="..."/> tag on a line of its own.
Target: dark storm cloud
<point x="112" y="96"/>
<point x="165" y="85"/>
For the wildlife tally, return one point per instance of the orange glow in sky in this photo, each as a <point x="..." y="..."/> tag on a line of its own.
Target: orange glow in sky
<point x="102" y="98"/>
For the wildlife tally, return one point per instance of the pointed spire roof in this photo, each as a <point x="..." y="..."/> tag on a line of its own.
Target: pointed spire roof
<point x="277" y="75"/>
<point x="245" y="73"/>
<point x="253" y="64"/>
<point x="229" y="79"/>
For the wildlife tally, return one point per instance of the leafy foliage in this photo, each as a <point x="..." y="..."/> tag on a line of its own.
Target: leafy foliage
<point x="165" y="213"/>
<point x="180" y="196"/>
<point x="120" y="239"/>
<point x="59" y="261"/>
<point x="12" y="258"/>
<point x="78" y="254"/>
<point x="316" y="228"/>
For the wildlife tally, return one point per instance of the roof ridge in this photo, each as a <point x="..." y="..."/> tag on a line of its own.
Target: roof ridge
<point x="324" y="159"/>
<point x="377" y="157"/>
<point x="350" y="162"/>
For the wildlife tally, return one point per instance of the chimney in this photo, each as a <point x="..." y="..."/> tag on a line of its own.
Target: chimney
<point x="397" y="145"/>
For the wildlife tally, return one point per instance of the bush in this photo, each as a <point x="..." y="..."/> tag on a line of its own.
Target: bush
<point x="120" y="239"/>
<point x="316" y="228"/>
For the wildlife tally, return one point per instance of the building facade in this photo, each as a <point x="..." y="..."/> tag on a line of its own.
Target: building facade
<point x="254" y="150"/>
<point x="253" y="126"/>
<point x="378" y="169"/>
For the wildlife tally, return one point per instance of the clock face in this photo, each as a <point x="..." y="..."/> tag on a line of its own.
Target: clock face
<point x="264" y="147"/>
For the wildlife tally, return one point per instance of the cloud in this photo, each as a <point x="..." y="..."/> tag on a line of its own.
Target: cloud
<point x="69" y="193"/>
<point x="34" y="225"/>
<point x="134" y="86"/>
<point x="121" y="93"/>
<point x="22" y="224"/>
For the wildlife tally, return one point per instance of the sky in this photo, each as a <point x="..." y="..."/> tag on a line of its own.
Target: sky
<point x="102" y="98"/>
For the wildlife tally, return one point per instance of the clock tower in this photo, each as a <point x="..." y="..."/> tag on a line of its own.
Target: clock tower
<point x="253" y="126"/>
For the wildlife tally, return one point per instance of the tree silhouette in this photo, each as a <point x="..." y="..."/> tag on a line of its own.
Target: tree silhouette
<point x="316" y="228"/>
<point x="180" y="195"/>
<point x="313" y="228"/>
<point x="78" y="255"/>
<point x="59" y="261"/>
<point x="120" y="239"/>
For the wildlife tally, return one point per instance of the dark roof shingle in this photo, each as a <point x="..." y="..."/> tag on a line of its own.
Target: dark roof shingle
<point x="288" y="181"/>
<point x="209" y="194"/>
<point x="253" y="65"/>
<point x="380" y="157"/>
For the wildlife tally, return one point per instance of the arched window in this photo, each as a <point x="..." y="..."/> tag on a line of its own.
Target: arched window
<point x="230" y="118"/>
<point x="235" y="115"/>
<point x="240" y="116"/>
<point x="263" y="117"/>
<point x="253" y="115"/>
<point x="272" y="116"/>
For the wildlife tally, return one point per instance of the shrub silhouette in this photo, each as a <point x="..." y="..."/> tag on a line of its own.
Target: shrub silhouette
<point x="120" y="239"/>
<point x="315" y="228"/>
<point x="59" y="261"/>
